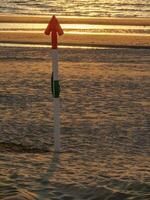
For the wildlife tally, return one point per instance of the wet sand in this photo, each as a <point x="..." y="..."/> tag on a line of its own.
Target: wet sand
<point x="104" y="124"/>
<point x="79" y="31"/>
<point x="73" y="20"/>
<point x="89" y="39"/>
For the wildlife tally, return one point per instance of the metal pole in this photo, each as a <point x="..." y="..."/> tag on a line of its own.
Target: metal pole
<point x="54" y="28"/>
<point x="56" y="100"/>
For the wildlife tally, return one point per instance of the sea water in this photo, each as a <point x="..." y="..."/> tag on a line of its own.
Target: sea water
<point x="99" y="8"/>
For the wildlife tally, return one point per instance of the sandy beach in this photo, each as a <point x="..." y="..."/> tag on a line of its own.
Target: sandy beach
<point x="104" y="75"/>
<point x="104" y="124"/>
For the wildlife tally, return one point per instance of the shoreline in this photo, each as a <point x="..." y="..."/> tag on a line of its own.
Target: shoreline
<point x="74" y="38"/>
<point x="74" y="20"/>
<point x="77" y="34"/>
<point x="71" y="46"/>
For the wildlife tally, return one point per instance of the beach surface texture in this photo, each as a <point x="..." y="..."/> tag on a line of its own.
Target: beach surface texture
<point x="104" y="113"/>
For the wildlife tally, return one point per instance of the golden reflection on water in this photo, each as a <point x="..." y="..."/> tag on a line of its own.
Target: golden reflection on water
<point x="24" y="26"/>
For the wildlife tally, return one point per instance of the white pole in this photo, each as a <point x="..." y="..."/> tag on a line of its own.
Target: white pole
<point x="56" y="101"/>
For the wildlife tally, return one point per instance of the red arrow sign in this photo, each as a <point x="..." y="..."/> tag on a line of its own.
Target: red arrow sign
<point x="54" y="27"/>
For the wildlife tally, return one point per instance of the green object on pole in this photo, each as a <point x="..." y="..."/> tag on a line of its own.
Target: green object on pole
<point x="55" y="87"/>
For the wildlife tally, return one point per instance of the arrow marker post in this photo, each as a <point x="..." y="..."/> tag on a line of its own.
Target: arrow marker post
<point x="55" y="29"/>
